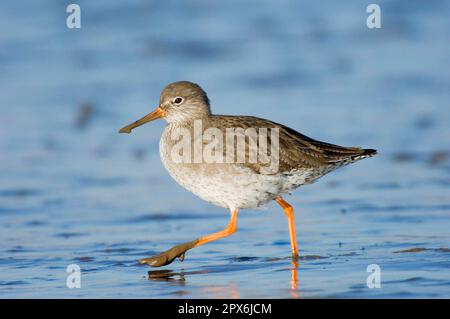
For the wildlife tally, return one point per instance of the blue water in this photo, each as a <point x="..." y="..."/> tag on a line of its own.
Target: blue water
<point x="74" y="191"/>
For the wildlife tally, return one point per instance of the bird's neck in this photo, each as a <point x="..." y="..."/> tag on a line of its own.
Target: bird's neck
<point x="190" y="122"/>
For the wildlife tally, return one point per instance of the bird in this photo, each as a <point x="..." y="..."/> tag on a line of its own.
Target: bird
<point x="235" y="183"/>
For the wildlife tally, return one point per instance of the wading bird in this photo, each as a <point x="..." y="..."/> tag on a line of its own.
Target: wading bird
<point x="237" y="184"/>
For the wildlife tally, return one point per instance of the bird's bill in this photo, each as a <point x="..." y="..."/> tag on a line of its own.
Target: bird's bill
<point x="156" y="114"/>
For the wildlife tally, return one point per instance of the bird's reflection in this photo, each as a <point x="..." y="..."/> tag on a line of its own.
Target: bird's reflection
<point x="167" y="275"/>
<point x="216" y="291"/>
<point x="294" y="280"/>
<point x="229" y="290"/>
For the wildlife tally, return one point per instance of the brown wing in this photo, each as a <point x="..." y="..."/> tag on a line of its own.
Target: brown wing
<point x="295" y="149"/>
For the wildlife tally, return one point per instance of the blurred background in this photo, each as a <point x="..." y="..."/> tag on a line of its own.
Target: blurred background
<point x="74" y="191"/>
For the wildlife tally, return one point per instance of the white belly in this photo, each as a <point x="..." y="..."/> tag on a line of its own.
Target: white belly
<point x="225" y="185"/>
<point x="229" y="185"/>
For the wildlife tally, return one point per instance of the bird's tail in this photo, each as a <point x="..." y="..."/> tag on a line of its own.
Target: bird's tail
<point x="366" y="153"/>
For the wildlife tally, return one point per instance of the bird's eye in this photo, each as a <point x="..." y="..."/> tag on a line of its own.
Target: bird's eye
<point x="178" y="100"/>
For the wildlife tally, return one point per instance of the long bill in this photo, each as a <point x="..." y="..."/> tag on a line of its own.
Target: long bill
<point x="156" y="114"/>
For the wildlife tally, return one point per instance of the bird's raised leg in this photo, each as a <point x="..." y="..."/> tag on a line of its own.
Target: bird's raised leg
<point x="169" y="256"/>
<point x="290" y="216"/>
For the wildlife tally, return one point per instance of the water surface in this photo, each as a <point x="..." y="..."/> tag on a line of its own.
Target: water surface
<point x="74" y="191"/>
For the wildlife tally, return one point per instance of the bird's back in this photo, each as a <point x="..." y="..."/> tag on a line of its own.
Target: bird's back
<point x="296" y="151"/>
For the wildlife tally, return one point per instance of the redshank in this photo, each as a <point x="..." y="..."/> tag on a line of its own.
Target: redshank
<point x="237" y="183"/>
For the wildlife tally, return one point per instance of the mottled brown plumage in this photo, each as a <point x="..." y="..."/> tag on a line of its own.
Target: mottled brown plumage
<point x="297" y="151"/>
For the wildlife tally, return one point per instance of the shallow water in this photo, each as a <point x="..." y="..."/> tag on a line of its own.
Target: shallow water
<point x="73" y="191"/>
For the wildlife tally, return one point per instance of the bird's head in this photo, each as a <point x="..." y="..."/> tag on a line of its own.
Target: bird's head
<point x="180" y="102"/>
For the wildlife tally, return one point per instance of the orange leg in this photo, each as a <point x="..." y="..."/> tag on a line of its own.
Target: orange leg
<point x="290" y="216"/>
<point x="178" y="251"/>
<point x="230" y="229"/>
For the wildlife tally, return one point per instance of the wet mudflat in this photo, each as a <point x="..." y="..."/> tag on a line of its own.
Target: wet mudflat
<point x="74" y="191"/>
